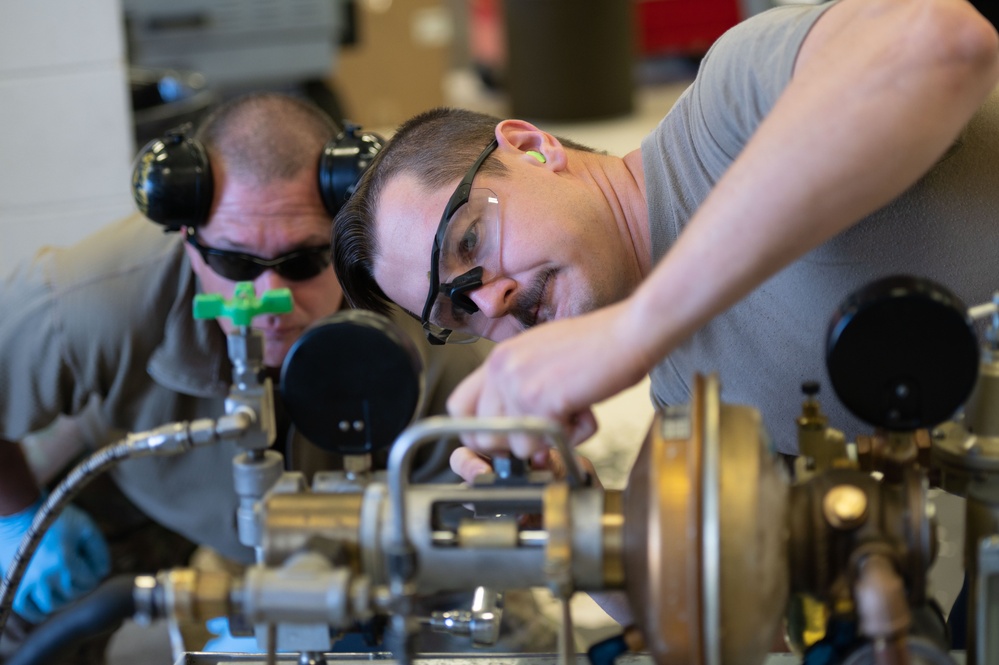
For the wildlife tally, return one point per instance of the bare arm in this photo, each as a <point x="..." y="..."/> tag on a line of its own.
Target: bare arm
<point x="880" y="90"/>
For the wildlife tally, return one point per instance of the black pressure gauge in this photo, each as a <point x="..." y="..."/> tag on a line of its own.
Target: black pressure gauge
<point x="902" y="353"/>
<point x="352" y="382"/>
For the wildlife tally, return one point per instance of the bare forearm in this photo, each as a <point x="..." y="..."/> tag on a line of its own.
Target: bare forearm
<point x="17" y="484"/>
<point x="880" y="90"/>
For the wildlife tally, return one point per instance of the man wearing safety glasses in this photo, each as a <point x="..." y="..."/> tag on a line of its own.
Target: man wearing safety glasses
<point x="110" y="320"/>
<point x="723" y="243"/>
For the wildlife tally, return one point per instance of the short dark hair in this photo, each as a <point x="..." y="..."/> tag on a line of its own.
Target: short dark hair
<point x="266" y="136"/>
<point x="436" y="146"/>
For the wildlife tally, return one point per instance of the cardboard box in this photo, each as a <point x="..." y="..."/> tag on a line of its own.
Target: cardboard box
<point x="396" y="67"/>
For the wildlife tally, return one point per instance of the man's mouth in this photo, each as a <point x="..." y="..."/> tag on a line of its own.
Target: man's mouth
<point x="543" y="311"/>
<point x="533" y="306"/>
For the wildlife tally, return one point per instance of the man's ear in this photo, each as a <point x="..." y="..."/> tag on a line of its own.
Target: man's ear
<point x="520" y="136"/>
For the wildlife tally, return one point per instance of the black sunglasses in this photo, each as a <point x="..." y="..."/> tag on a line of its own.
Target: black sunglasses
<point x="299" y="265"/>
<point x="458" y="289"/>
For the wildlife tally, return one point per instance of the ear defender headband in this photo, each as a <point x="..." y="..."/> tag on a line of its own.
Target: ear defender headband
<point x="172" y="176"/>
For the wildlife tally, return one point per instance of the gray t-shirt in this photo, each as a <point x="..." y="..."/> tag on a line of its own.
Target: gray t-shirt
<point x="763" y="348"/>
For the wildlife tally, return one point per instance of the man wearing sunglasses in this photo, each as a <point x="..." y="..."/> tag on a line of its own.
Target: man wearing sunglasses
<point x="109" y="322"/>
<point x="819" y="147"/>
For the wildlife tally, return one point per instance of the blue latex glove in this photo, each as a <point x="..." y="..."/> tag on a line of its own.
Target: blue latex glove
<point x="225" y="642"/>
<point x="71" y="560"/>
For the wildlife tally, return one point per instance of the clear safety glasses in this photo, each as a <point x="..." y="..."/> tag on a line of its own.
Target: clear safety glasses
<point x="467" y="241"/>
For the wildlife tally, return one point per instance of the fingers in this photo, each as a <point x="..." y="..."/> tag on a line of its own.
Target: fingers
<point x="581" y="426"/>
<point x="467" y="401"/>
<point x="501" y="387"/>
<point x="465" y="396"/>
<point x="78" y="578"/>
<point x="87" y="558"/>
<point x="94" y="553"/>
<point x="557" y="465"/>
<point x="528" y="446"/>
<point x="70" y="561"/>
<point x="44" y="592"/>
<point x="468" y="464"/>
<point x="474" y="397"/>
<point x="30" y="600"/>
<point x="590" y="471"/>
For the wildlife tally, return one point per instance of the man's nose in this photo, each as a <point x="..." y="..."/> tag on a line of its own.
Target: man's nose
<point x="269" y="280"/>
<point x="495" y="297"/>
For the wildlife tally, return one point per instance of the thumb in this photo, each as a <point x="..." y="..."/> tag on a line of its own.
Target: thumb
<point x="468" y="464"/>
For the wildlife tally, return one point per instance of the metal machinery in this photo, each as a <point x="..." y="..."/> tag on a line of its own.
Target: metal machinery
<point x="186" y="55"/>
<point x="714" y="545"/>
<point x="237" y="43"/>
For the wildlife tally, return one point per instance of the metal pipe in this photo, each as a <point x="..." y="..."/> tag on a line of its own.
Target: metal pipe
<point x="165" y="440"/>
<point x="981" y="521"/>
<point x="432" y="429"/>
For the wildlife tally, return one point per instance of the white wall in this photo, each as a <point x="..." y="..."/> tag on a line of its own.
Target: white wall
<point x="65" y="122"/>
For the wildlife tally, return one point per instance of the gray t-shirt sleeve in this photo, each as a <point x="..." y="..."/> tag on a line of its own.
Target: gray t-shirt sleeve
<point x="739" y="81"/>
<point x="744" y="73"/>
<point x="763" y="347"/>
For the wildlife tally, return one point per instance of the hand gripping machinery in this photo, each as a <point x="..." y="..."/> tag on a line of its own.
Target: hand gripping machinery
<point x="716" y="544"/>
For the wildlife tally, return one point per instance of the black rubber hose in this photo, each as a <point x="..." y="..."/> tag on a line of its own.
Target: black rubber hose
<point x="101" y="611"/>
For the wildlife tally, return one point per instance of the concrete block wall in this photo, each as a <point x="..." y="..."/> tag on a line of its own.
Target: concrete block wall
<point x="66" y="141"/>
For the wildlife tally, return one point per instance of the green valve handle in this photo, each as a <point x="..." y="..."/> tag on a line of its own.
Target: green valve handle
<point x="244" y="304"/>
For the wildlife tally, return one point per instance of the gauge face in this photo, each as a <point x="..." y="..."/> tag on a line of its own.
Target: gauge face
<point x="352" y="382"/>
<point x="902" y="353"/>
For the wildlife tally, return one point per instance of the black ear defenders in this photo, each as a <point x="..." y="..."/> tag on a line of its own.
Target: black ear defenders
<point x="172" y="176"/>
<point x="172" y="180"/>
<point x="342" y="163"/>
